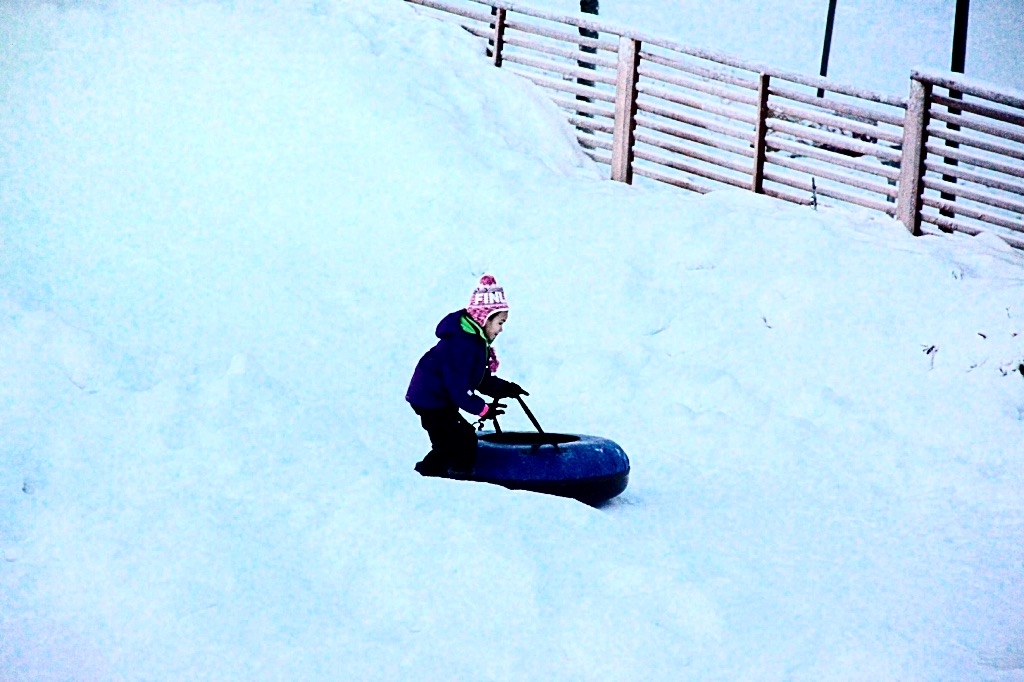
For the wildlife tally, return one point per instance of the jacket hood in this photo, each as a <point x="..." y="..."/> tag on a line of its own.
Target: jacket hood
<point x="450" y="325"/>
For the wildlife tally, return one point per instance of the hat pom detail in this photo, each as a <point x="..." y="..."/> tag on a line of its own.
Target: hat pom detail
<point x="487" y="299"/>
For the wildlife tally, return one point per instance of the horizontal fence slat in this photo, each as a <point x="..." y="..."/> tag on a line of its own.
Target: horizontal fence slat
<point x="979" y="126"/>
<point x="892" y="118"/>
<point x="580" y="106"/>
<point x="826" y="191"/>
<point x="796" y="183"/>
<point x="950" y="225"/>
<point x="566" y="86"/>
<point x="960" y="173"/>
<point x="594" y="147"/>
<point x="979" y="109"/>
<point x="481" y="31"/>
<point x="832" y="158"/>
<point x="597" y="157"/>
<point x="671" y="180"/>
<point x="776" y="193"/>
<point x="699" y="53"/>
<point x="844" y="124"/>
<point x="576" y="21"/>
<point x="962" y="192"/>
<point x="793" y="164"/>
<point x="690" y="136"/>
<point x="483" y="17"/>
<point x="594" y="141"/>
<point x="691" y="169"/>
<point x="573" y="38"/>
<point x="710" y="74"/>
<point x="684" y="150"/>
<point x="953" y="207"/>
<point x="951" y="82"/>
<point x="562" y="69"/>
<point x="966" y="156"/>
<point x="707" y="88"/>
<point x="947" y="225"/>
<point x="943" y="133"/>
<point x="568" y="53"/>
<point x="696" y="121"/>
<point x="757" y="68"/>
<point x="695" y="103"/>
<point x="834" y="141"/>
<point x="592" y="124"/>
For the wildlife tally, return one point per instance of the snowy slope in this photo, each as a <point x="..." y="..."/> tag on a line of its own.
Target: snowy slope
<point x="227" y="235"/>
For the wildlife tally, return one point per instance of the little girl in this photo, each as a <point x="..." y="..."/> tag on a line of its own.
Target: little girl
<point x="449" y="374"/>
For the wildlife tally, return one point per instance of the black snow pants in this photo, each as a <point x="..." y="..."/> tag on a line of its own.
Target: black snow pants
<point x="452" y="442"/>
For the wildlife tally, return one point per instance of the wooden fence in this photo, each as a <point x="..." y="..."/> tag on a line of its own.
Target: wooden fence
<point x="950" y="157"/>
<point x="966" y="160"/>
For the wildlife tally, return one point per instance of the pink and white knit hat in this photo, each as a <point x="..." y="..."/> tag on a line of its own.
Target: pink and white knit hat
<point x="488" y="298"/>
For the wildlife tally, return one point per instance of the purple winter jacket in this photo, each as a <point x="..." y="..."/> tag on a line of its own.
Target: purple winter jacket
<point x="450" y="373"/>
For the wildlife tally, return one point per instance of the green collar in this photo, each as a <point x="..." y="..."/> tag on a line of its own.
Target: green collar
<point x="470" y="326"/>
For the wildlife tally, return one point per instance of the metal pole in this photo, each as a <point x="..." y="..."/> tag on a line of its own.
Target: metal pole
<point x="827" y="47"/>
<point x="957" y="62"/>
<point x="587" y="7"/>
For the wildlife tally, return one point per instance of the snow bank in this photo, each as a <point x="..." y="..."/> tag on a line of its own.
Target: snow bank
<point x="226" y="236"/>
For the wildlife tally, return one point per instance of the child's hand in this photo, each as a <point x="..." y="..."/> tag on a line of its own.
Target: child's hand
<point x="515" y="390"/>
<point x="492" y="411"/>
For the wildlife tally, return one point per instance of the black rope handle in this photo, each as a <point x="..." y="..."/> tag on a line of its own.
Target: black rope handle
<point x="529" y="414"/>
<point x="497" y="426"/>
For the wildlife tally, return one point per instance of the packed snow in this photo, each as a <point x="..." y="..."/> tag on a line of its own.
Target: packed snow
<point x="226" y="236"/>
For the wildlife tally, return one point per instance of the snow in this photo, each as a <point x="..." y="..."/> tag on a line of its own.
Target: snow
<point x="226" y="235"/>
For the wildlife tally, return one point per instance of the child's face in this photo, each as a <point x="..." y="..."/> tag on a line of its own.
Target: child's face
<point x="494" y="325"/>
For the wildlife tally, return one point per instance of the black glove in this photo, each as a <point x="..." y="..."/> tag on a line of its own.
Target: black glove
<point x="494" y="410"/>
<point x="514" y="390"/>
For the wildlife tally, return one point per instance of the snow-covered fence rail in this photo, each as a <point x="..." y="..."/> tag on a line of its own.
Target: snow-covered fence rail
<point x="849" y="141"/>
<point x="553" y="51"/>
<point x="969" y="170"/>
<point x="753" y="126"/>
<point x="703" y="120"/>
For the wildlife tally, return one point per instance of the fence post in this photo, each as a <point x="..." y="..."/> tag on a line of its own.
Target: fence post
<point x="624" y="136"/>
<point x="499" y="35"/>
<point x="915" y="124"/>
<point x="760" y="133"/>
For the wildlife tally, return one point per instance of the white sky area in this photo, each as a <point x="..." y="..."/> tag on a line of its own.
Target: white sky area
<point x="875" y="43"/>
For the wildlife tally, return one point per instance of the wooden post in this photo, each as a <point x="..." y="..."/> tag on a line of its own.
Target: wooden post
<point x="915" y="124"/>
<point x="624" y="136"/>
<point x="760" y="133"/>
<point x="499" y="36"/>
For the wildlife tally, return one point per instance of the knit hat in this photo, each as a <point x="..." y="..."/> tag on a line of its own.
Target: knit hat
<point x="488" y="298"/>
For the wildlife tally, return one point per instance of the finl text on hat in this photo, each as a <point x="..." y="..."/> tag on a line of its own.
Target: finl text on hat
<point x="488" y="297"/>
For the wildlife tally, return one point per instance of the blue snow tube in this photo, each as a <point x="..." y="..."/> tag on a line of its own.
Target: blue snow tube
<point x="587" y="468"/>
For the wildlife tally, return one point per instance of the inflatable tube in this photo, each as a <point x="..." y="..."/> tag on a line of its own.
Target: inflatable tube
<point x="587" y="468"/>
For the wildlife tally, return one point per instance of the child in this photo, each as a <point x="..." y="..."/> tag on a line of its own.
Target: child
<point x="449" y="374"/>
